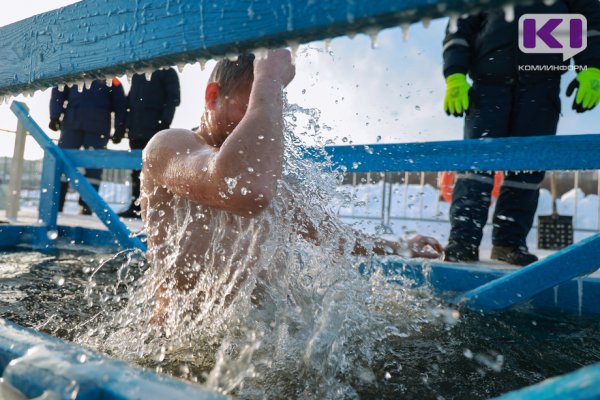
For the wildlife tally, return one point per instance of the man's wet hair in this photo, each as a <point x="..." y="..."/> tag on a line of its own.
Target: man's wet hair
<point x="233" y="75"/>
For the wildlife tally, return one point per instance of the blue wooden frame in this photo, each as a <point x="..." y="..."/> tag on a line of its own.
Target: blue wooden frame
<point x="59" y="163"/>
<point x="27" y="357"/>
<point x="65" y="44"/>
<point x="62" y="46"/>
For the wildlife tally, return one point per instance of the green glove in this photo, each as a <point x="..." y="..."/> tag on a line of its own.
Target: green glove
<point x="588" y="92"/>
<point x="456" y="101"/>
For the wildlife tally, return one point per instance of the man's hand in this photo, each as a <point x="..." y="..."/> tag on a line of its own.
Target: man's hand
<point x="587" y="83"/>
<point x="277" y="66"/>
<point x="54" y="125"/>
<point x="456" y="101"/>
<point x="425" y="247"/>
<point x="119" y="134"/>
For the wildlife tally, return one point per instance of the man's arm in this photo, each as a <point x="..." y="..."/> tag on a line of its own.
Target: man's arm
<point x="240" y="176"/>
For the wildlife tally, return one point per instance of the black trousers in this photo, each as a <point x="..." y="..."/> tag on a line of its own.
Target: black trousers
<point x="503" y="110"/>
<point x="76" y="139"/>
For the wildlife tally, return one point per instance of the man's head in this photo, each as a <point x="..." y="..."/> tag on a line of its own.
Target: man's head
<point x="228" y="92"/>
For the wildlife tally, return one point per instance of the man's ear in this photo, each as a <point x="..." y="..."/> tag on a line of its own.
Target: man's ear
<point x="211" y="95"/>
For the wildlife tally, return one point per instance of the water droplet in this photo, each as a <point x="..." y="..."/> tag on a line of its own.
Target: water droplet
<point x="453" y="23"/>
<point x="509" y="12"/>
<point x="373" y="32"/>
<point x="260" y="53"/>
<point x="52" y="235"/>
<point x="82" y="358"/>
<point x="59" y="280"/>
<point x="244" y="191"/>
<point x="231" y="184"/>
<point x="294" y="50"/>
<point x="261" y="137"/>
<point x="405" y="28"/>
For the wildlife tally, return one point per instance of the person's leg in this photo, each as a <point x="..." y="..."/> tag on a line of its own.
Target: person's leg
<point x="487" y="117"/>
<point x="537" y="109"/>
<point x="92" y="141"/>
<point x="69" y="139"/>
<point x="133" y="211"/>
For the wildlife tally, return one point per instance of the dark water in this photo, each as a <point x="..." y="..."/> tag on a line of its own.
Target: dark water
<point x="474" y="357"/>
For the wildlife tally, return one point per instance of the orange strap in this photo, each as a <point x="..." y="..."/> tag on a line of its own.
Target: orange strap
<point x="446" y="184"/>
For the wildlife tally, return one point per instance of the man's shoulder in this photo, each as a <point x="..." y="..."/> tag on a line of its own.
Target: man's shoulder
<point x="182" y="141"/>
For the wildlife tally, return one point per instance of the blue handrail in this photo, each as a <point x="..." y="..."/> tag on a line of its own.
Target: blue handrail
<point x="63" y="45"/>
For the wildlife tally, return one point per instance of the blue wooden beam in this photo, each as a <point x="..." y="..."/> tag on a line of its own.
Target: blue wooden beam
<point x="78" y="181"/>
<point x="34" y="363"/>
<point x="95" y="38"/>
<point x="50" y="191"/>
<point x="551" y="153"/>
<point x="567" y="152"/>
<point x="117" y="159"/>
<point x="576" y="260"/>
<point x="582" y="384"/>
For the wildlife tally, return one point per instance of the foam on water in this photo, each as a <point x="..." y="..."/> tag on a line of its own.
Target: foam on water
<point x="264" y="311"/>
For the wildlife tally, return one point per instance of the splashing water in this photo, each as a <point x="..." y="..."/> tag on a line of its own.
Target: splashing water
<point x="251" y="307"/>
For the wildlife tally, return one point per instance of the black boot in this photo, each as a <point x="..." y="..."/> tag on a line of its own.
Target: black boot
<point x="64" y="188"/>
<point x="84" y="209"/>
<point x="461" y="252"/>
<point x="516" y="255"/>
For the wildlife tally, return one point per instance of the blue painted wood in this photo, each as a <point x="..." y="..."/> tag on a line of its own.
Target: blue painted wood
<point x="78" y="181"/>
<point x="576" y="260"/>
<point x="551" y="153"/>
<point x="569" y="152"/>
<point x="579" y="385"/>
<point x="117" y="159"/>
<point x="33" y="362"/>
<point x="99" y="38"/>
<point x="50" y="191"/>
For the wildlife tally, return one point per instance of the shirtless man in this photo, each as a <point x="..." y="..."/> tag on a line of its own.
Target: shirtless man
<point x="206" y="190"/>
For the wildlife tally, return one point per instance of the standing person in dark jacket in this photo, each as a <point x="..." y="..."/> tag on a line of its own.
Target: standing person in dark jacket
<point x="151" y="107"/>
<point x="84" y="120"/>
<point x="513" y="94"/>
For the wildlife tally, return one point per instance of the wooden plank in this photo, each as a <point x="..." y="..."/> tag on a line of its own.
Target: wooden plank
<point x="569" y="152"/>
<point x="16" y="173"/>
<point x="117" y="159"/>
<point x="79" y="182"/>
<point x="579" y="385"/>
<point x="35" y="363"/>
<point x="576" y="260"/>
<point x="50" y="191"/>
<point x="106" y="38"/>
<point x="551" y="153"/>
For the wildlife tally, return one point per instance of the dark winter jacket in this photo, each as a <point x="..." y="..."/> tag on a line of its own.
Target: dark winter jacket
<point x="151" y="104"/>
<point x="487" y="47"/>
<point x="89" y="110"/>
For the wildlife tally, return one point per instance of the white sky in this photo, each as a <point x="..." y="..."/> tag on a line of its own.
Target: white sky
<point x="394" y="91"/>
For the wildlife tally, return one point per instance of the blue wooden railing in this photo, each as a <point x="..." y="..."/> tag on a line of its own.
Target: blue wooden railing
<point x="98" y="39"/>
